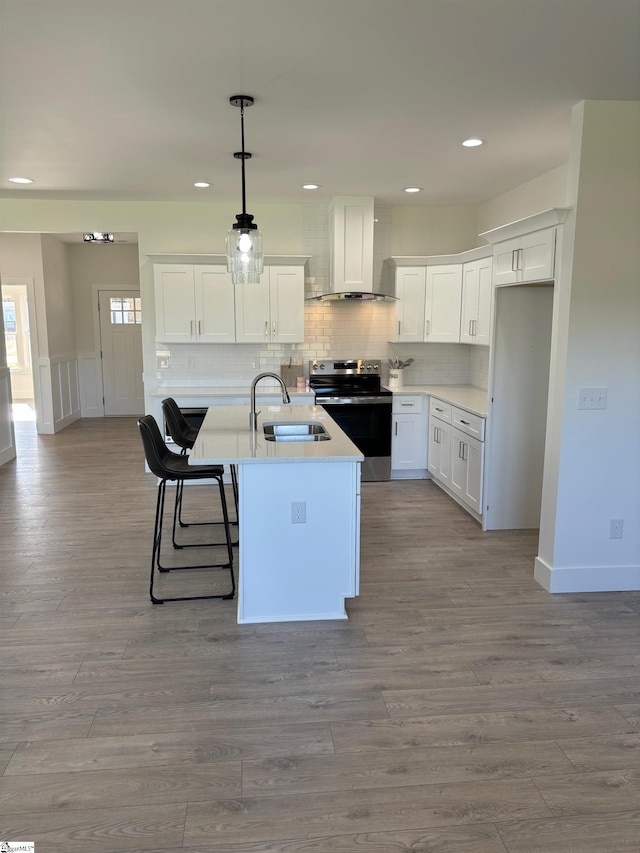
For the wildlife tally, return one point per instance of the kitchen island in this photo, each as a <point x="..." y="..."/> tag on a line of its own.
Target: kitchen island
<point x="299" y="510"/>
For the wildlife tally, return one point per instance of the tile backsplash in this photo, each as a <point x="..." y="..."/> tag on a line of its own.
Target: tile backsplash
<point x="339" y="329"/>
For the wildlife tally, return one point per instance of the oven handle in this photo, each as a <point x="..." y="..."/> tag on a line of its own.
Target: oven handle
<point x="352" y="401"/>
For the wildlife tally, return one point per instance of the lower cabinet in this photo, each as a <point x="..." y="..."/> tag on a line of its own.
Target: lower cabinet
<point x="466" y="469"/>
<point x="408" y="437"/>
<point x="456" y="453"/>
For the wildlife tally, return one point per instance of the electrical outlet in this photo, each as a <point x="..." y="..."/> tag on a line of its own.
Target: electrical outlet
<point x="615" y="528"/>
<point x="298" y="512"/>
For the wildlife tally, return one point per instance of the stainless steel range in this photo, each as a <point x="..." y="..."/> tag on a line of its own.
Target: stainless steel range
<point x="351" y="393"/>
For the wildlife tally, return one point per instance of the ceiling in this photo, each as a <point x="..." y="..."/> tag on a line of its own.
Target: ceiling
<point x="130" y="100"/>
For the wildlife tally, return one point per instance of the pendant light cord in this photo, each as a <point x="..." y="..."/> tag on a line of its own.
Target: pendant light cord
<point x="244" y="194"/>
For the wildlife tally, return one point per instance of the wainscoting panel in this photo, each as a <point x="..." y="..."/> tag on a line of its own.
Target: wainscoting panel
<point x="90" y="386"/>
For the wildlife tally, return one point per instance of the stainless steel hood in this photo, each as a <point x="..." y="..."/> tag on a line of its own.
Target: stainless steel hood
<point x="351" y="252"/>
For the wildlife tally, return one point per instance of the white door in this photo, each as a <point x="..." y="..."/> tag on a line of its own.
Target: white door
<point x="121" y="345"/>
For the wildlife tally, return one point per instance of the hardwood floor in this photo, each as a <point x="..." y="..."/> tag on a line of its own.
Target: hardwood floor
<point x="461" y="709"/>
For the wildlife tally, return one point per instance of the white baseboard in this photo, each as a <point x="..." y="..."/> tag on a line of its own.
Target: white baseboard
<point x="587" y="579"/>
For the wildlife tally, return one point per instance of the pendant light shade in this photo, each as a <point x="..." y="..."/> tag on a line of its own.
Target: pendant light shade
<point x="244" y="241"/>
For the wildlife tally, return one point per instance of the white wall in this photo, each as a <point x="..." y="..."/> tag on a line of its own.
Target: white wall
<point x="441" y="230"/>
<point x="541" y="193"/>
<point x="43" y="260"/>
<point x="98" y="266"/>
<point x="592" y="467"/>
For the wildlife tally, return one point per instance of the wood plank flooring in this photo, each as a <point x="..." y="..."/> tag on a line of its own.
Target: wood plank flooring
<point x="461" y="709"/>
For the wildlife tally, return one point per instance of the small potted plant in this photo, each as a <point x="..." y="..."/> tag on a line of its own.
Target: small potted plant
<point x="396" y="366"/>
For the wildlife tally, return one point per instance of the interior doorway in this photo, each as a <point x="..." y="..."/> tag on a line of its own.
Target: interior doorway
<point x="120" y="313"/>
<point x="17" y="338"/>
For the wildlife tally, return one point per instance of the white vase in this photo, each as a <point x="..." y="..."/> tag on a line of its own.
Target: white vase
<point x="396" y="379"/>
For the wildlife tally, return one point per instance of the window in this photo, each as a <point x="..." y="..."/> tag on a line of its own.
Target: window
<point x="125" y="310"/>
<point x="10" y="331"/>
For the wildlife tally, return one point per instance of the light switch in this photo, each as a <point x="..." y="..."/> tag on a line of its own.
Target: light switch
<point x="592" y="398"/>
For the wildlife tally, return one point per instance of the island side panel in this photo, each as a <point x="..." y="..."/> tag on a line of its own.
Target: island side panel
<point x="292" y="572"/>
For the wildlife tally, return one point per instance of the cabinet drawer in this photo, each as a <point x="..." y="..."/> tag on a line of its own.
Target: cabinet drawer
<point x="439" y="409"/>
<point x="468" y="423"/>
<point x="407" y="404"/>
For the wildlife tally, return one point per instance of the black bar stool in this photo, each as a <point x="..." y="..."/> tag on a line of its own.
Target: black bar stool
<point x="184" y="436"/>
<point x="174" y="467"/>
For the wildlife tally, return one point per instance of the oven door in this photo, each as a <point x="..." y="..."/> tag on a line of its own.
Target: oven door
<point x="368" y="425"/>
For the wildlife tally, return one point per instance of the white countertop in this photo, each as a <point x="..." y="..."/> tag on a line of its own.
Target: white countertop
<point x="225" y="438"/>
<point x="469" y="397"/>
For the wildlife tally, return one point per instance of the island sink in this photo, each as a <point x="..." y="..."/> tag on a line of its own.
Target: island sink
<point x="291" y="431"/>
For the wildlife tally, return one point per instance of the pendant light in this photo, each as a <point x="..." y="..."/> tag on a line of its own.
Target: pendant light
<point x="244" y="240"/>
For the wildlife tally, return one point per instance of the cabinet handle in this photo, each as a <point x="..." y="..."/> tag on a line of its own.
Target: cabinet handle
<point x="396" y="428"/>
<point x="266" y="329"/>
<point x="407" y="405"/>
<point x="191" y="327"/>
<point x="466" y="423"/>
<point x="199" y="327"/>
<point x="520" y="259"/>
<point x="399" y="328"/>
<point x="470" y="327"/>
<point x="474" y="332"/>
<point x="514" y="261"/>
<point x="274" y="329"/>
<point x="427" y="327"/>
<point x="438" y="410"/>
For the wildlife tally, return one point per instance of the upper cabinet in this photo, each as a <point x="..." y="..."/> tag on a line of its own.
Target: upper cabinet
<point x="427" y="307"/>
<point x="524" y="259"/>
<point x="429" y="297"/>
<point x="198" y="303"/>
<point x="408" y="319"/>
<point x="524" y="251"/>
<point x="272" y="311"/>
<point x="442" y="304"/>
<point x="475" y="316"/>
<point x="194" y="304"/>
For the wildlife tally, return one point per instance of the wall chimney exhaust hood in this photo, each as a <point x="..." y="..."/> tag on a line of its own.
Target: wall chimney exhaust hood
<point x="351" y="252"/>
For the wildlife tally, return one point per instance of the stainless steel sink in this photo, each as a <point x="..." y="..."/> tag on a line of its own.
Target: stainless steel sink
<point x="288" y="431"/>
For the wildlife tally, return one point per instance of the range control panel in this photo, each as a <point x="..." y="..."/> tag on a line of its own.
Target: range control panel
<point x="347" y="366"/>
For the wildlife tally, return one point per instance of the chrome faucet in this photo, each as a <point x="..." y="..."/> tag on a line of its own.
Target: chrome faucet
<point x="253" y="415"/>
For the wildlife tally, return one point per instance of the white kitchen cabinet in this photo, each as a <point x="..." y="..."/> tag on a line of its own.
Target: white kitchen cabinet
<point x="194" y="303"/>
<point x="408" y="437"/>
<point x="475" y="316"/>
<point x="456" y="453"/>
<point x="409" y="306"/>
<point x="428" y="304"/>
<point x="273" y="310"/>
<point x="442" y="303"/>
<point x="527" y="258"/>
<point x="466" y="469"/>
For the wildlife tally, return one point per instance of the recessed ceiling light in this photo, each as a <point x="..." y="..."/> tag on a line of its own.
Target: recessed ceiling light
<point x="472" y="142"/>
<point x="201" y="184"/>
<point x="412" y="189"/>
<point x="21" y="180"/>
<point x="311" y="186"/>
